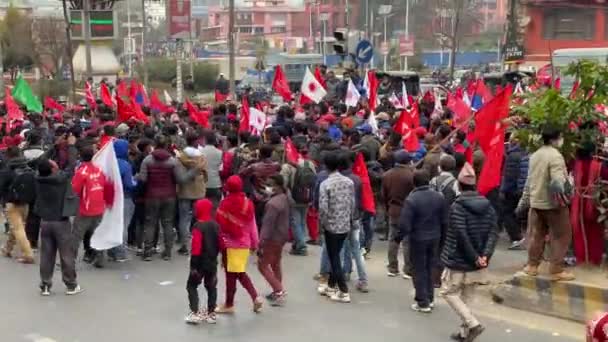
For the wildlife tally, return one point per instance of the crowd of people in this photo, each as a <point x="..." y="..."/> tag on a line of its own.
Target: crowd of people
<point x="222" y="193"/>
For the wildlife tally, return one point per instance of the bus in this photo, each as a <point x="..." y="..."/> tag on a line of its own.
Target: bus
<point x="564" y="57"/>
<point x="294" y="65"/>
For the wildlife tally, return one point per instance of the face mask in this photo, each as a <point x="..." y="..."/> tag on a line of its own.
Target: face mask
<point x="269" y="190"/>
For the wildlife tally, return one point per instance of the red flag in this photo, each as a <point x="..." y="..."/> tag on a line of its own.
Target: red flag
<point x="88" y="90"/>
<point x="373" y="89"/>
<point x="144" y="94"/>
<point x="414" y="116"/>
<point x="280" y="84"/>
<point x="124" y="111"/>
<point x="575" y="87"/>
<point x="291" y="153"/>
<point x="50" y="103"/>
<point x="139" y="114"/>
<point x="220" y="98"/>
<point x="410" y="139"/>
<point x="320" y="78"/>
<point x="428" y="97"/>
<point x="200" y="118"/>
<point x="558" y="84"/>
<point x="490" y="133"/>
<point x="106" y="97"/>
<point x="13" y="111"/>
<point x="244" y="119"/>
<point x="121" y="89"/>
<point x="304" y="100"/>
<point x="461" y="111"/>
<point x="133" y="89"/>
<point x="401" y="125"/>
<point x="367" y="195"/>
<point x="483" y="91"/>
<point x="471" y="86"/>
<point x="156" y="103"/>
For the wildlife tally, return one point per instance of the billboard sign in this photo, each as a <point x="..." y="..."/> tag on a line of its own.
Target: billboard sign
<point x="102" y="23"/>
<point x="179" y="18"/>
<point x="406" y="45"/>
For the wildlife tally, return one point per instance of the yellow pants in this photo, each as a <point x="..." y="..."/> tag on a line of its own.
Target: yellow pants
<point x="17" y="215"/>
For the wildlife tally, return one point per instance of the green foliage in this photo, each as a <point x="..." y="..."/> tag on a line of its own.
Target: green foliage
<point x="52" y="88"/>
<point x="16" y="39"/>
<point x="163" y="70"/>
<point x="205" y="75"/>
<point x="577" y="116"/>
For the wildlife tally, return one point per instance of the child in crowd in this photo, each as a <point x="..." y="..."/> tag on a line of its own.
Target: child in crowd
<point x="206" y="245"/>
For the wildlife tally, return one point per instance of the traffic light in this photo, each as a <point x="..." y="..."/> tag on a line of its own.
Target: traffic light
<point x="341" y="44"/>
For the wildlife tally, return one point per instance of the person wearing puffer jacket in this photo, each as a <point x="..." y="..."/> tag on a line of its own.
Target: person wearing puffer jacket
<point x="191" y="191"/>
<point x="469" y="244"/>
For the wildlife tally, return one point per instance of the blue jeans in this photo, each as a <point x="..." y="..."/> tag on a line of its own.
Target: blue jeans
<point x="185" y="220"/>
<point x="352" y="250"/>
<point x="367" y="233"/>
<point x="298" y="220"/>
<point x="129" y="210"/>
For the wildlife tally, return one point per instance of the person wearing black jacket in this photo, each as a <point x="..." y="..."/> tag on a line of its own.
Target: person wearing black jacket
<point x="55" y="203"/>
<point x="470" y="241"/>
<point x="423" y="220"/>
<point x="206" y="245"/>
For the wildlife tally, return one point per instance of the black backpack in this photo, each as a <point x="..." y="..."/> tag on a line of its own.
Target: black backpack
<point x="303" y="183"/>
<point x="22" y="188"/>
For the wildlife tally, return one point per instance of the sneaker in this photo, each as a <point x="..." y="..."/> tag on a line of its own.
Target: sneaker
<point x="183" y="251"/>
<point x="211" y="318"/>
<point x="531" y="271"/>
<point x="147" y="257"/>
<point x="121" y="259"/>
<point x="407" y="276"/>
<point x="26" y="260"/>
<point x="257" y="305"/>
<point x="156" y="250"/>
<point x="562" y="276"/>
<point x="300" y="252"/>
<point x="166" y="255"/>
<point x="225" y="310"/>
<point x="329" y="291"/>
<point x="340" y="297"/>
<point x="88" y="258"/>
<point x="418" y="308"/>
<point x="474" y="333"/>
<point x="45" y="290"/>
<point x="313" y="242"/>
<point x="76" y="290"/>
<point x="392" y="274"/>
<point x="322" y="288"/>
<point x="432" y="305"/>
<point x="194" y="318"/>
<point x="139" y="252"/>
<point x="271" y="296"/>
<point x="457" y="336"/>
<point x="362" y="287"/>
<point x="278" y="299"/>
<point x="517" y="245"/>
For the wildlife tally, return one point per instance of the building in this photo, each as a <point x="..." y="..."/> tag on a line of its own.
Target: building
<point x="493" y="13"/>
<point x="284" y="24"/>
<point x="559" y="24"/>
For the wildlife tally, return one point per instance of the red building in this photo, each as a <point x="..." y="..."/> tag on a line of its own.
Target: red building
<point x="560" y="24"/>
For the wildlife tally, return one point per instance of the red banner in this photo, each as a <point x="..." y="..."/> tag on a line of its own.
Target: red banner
<point x="179" y="18"/>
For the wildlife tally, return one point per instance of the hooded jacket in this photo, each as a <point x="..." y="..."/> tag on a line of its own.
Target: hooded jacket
<point x="54" y="200"/>
<point x="472" y="232"/>
<point x="121" y="147"/>
<point x="206" y="242"/>
<point x="423" y="216"/>
<point x="194" y="188"/>
<point x="89" y="185"/>
<point x="161" y="174"/>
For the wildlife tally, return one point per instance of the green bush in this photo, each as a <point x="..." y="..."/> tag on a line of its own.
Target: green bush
<point x="159" y="70"/>
<point x="163" y="70"/>
<point x="205" y="75"/>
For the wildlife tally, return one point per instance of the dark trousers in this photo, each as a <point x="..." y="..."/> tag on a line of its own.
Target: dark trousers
<point x="510" y="221"/>
<point x="162" y="210"/>
<point x="32" y="228"/>
<point x="84" y="227"/>
<point x="57" y="236"/>
<point x="210" y="282"/>
<point x="368" y="230"/>
<point x="334" y="243"/>
<point x="214" y="195"/>
<point x="423" y="256"/>
<point x="269" y="264"/>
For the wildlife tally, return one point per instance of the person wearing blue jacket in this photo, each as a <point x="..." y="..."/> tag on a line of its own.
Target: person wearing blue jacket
<point x="423" y="220"/>
<point x="121" y="147"/>
<point x="514" y="176"/>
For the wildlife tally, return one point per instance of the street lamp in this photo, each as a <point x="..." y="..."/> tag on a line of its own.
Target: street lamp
<point x="385" y="11"/>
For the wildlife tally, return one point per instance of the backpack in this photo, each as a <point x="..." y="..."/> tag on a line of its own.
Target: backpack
<point x="303" y="183"/>
<point x="23" y="186"/>
<point x="445" y="186"/>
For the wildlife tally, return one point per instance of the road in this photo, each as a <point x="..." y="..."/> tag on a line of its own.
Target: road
<point x="138" y="301"/>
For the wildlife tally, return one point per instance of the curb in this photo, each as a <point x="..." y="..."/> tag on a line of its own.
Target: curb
<point x="570" y="300"/>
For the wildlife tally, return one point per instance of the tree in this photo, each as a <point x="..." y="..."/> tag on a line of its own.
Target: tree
<point x="49" y="42"/>
<point x="16" y="40"/>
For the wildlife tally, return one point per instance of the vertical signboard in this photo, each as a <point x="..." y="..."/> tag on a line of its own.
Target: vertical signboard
<point x="179" y="18"/>
<point x="406" y="45"/>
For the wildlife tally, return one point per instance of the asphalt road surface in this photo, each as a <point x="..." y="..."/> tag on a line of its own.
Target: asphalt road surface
<point x="137" y="301"/>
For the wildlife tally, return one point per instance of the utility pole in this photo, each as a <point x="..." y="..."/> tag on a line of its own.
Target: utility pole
<point x="385" y="42"/>
<point x="86" y="23"/>
<point x="179" y="83"/>
<point x="68" y="46"/>
<point x="231" y="48"/>
<point x="190" y="43"/>
<point x="1" y="73"/>
<point x="407" y="30"/>
<point x="143" y="42"/>
<point x="130" y="40"/>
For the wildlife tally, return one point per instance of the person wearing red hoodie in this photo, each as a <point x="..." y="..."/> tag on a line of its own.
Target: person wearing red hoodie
<point x="89" y="184"/>
<point x="239" y="233"/>
<point x="206" y="245"/>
